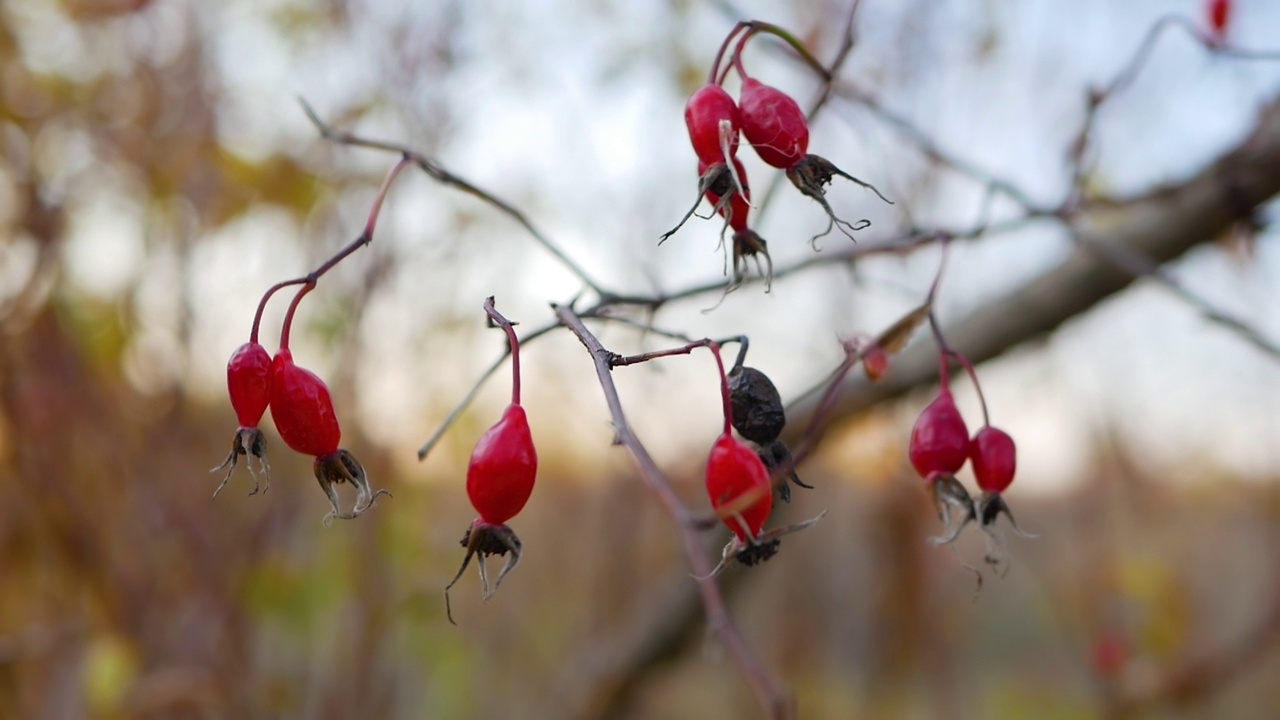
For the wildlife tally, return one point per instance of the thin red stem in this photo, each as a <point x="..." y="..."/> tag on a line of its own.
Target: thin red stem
<point x="715" y="66"/>
<point x="973" y="375"/>
<point x="293" y="307"/>
<point x="513" y="341"/>
<point x="735" y="61"/>
<point x="262" y="304"/>
<point x="724" y="387"/>
<point x="310" y="279"/>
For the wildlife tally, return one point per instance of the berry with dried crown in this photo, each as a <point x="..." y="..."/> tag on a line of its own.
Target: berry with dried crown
<point x="249" y="385"/>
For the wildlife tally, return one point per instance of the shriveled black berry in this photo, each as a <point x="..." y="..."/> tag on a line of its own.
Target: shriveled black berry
<point x="757" y="407"/>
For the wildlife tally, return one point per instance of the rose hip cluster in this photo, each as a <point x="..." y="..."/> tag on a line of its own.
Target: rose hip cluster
<point x="940" y="446"/>
<point x="777" y="129"/>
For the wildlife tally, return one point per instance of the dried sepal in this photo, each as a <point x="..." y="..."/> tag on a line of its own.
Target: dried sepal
<point x="810" y="176"/>
<point x="339" y="467"/>
<point x="948" y="496"/>
<point x="250" y="442"/>
<point x="893" y="339"/>
<point x="782" y="469"/>
<point x="718" y="179"/>
<point x="749" y="244"/>
<point x="482" y="540"/>
<point x="990" y="507"/>
<point x="758" y="549"/>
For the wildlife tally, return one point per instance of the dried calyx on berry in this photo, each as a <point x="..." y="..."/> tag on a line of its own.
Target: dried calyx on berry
<point x="303" y="413"/>
<point x="249" y="385"/>
<point x="954" y="505"/>
<point x="500" y="479"/>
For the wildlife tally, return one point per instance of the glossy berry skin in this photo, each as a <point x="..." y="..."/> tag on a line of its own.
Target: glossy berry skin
<point x="939" y="440"/>
<point x="249" y="383"/>
<point x="994" y="457"/>
<point x="736" y="210"/>
<point x="503" y="467"/>
<point x="735" y="473"/>
<point x="774" y="124"/>
<point x="302" y="408"/>
<point x="703" y="115"/>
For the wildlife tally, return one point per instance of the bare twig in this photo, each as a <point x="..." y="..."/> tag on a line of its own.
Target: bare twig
<point x="1142" y="267"/>
<point x="441" y="175"/>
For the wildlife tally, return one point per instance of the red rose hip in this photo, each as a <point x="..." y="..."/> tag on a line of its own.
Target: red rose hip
<point x="738" y="486"/>
<point x="503" y="467"/>
<point x="713" y="120"/>
<point x="302" y="408"/>
<point x="994" y="457"/>
<point x="939" y="440"/>
<point x="774" y="124"/>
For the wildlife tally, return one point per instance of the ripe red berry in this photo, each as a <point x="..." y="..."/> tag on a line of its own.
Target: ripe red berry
<point x="774" y="124"/>
<point x="503" y="467"/>
<point x="302" y="408"/>
<point x="249" y="382"/>
<point x="939" y="440"/>
<point x="738" y="485"/>
<point x="712" y="118"/>
<point x="994" y="458"/>
<point x="249" y="385"/>
<point x="1219" y="16"/>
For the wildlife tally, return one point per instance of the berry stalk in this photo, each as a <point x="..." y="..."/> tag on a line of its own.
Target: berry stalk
<point x="365" y="237"/>
<point x="725" y="395"/>
<point x="513" y="341"/>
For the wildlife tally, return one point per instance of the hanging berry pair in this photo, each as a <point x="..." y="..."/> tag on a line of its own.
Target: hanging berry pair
<point x="738" y="482"/>
<point x="500" y="477"/>
<point x="301" y="406"/>
<point x="714" y="126"/>
<point x="776" y="127"/>
<point x="940" y="446"/>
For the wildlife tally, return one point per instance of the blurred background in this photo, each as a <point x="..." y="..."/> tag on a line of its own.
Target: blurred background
<point x="157" y="174"/>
